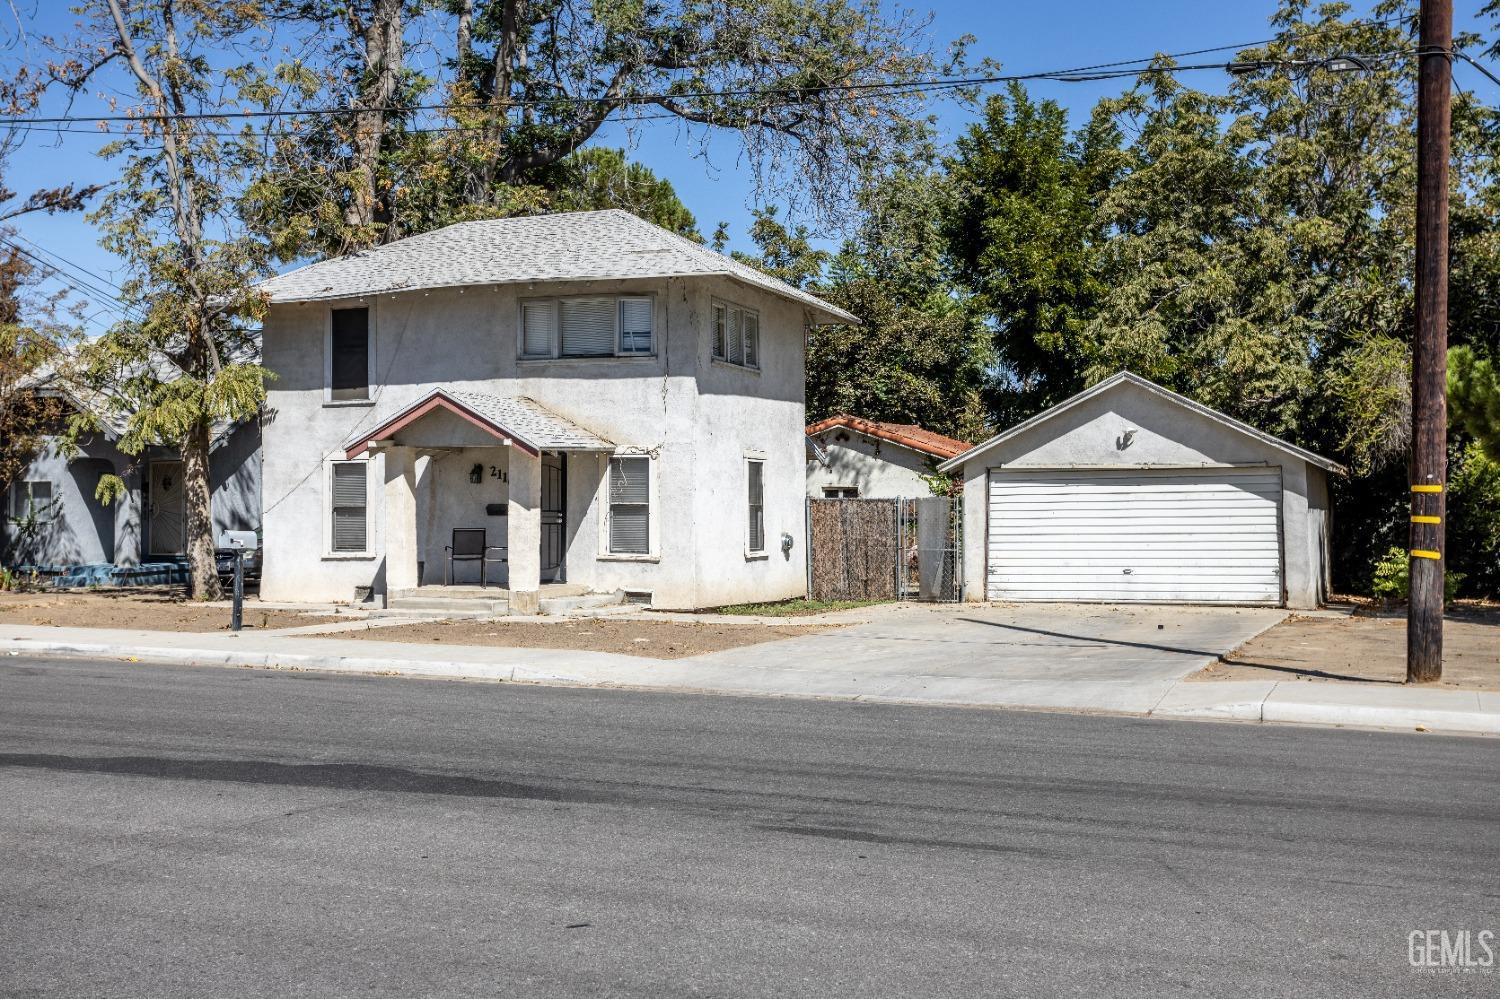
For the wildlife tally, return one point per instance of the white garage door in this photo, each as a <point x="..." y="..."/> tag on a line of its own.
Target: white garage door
<point x="1197" y="536"/>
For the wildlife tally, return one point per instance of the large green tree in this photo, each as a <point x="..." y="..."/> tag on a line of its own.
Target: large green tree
<point x="1023" y="227"/>
<point x="521" y="86"/>
<point x="183" y="358"/>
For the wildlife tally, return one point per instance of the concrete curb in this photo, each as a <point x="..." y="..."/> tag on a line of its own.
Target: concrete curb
<point x="1436" y="711"/>
<point x="1449" y="712"/>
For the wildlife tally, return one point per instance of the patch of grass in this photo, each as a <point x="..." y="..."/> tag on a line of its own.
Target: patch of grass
<point x="798" y="607"/>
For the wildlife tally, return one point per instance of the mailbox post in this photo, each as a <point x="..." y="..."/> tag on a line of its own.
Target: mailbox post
<point x="239" y="542"/>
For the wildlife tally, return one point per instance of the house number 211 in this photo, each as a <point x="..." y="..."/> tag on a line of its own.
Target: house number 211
<point x="496" y="472"/>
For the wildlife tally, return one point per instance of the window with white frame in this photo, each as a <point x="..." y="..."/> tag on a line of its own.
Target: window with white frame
<point x="349" y="355"/>
<point x="736" y="335"/>
<point x="755" y="477"/>
<point x="841" y="492"/>
<point x="31" y="500"/>
<point x="629" y="506"/>
<point x="349" y="530"/>
<point x="588" y="326"/>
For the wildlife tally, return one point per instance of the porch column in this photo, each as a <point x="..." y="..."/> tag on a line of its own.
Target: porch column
<point x="400" y="520"/>
<point x="524" y="532"/>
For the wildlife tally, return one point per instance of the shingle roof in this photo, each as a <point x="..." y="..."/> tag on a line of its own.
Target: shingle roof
<point x="524" y="420"/>
<point x="906" y="434"/>
<point x="573" y="246"/>
<point x="1120" y="378"/>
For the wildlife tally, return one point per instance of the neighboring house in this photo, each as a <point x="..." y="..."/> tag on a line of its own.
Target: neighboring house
<point x="850" y="458"/>
<point x="617" y="406"/>
<point x="54" y="523"/>
<point x="1130" y="492"/>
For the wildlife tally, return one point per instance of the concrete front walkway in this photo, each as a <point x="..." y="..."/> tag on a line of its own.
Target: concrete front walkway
<point x="1108" y="659"/>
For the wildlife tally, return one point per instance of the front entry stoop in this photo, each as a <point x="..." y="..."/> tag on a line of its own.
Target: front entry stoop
<point x="476" y="601"/>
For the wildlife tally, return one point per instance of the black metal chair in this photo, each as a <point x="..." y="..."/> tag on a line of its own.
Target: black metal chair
<point x="469" y="546"/>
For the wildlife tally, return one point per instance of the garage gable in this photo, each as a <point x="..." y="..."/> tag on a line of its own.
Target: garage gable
<point x="1127" y="421"/>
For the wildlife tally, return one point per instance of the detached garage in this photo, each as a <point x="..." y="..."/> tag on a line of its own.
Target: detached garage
<point x="1130" y="492"/>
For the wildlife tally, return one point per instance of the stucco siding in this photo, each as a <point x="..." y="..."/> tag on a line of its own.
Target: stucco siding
<point x="879" y="469"/>
<point x="692" y="416"/>
<point x="1093" y="434"/>
<point x="83" y="531"/>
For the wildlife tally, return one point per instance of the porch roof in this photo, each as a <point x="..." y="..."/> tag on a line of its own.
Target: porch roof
<point x="513" y="420"/>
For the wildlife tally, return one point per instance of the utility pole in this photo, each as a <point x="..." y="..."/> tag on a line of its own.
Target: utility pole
<point x="1429" y="437"/>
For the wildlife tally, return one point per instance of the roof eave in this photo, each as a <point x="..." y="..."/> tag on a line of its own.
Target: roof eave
<point x="832" y="313"/>
<point x="1127" y="376"/>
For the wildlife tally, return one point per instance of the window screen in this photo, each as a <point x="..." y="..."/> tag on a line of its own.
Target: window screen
<point x="635" y="326"/>
<point x="629" y="505"/>
<point x="721" y="331"/>
<point x="756" y="539"/>
<point x="349" y="506"/>
<point x="736" y="352"/>
<point x="538" y="329"/>
<point x="350" y="347"/>
<point x="588" y="327"/>
<point x="750" y="335"/>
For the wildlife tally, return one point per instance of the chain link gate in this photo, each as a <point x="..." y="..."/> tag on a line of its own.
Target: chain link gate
<point x="931" y="544"/>
<point x="885" y="549"/>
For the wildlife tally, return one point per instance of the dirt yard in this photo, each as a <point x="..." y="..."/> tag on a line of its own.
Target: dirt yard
<point x="652" y="639"/>
<point x="1365" y="649"/>
<point x="163" y="610"/>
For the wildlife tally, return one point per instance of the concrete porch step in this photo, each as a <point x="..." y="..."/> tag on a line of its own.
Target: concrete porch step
<point x="580" y="603"/>
<point x="472" y="601"/>
<point x="497" y="602"/>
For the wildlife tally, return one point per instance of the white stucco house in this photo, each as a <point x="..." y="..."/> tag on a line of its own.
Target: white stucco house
<point x="615" y="406"/>
<point x="1130" y="492"/>
<point x="854" y="458"/>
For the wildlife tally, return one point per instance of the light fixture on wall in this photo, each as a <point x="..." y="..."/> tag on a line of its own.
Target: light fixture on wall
<point x="1123" y="441"/>
<point x="476" y="474"/>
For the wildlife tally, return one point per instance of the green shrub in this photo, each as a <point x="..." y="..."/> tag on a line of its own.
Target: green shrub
<point x="1392" y="578"/>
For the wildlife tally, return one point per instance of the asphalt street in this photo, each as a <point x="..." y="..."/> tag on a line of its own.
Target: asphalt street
<point x="178" y="831"/>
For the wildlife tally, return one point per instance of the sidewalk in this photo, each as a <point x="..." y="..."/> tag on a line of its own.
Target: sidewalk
<point x="826" y="666"/>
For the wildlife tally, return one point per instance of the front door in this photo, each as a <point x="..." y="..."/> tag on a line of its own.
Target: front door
<point x="554" y="517"/>
<point x="167" y="508"/>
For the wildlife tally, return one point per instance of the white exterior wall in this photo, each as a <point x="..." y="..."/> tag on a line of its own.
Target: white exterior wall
<point x="880" y="469"/>
<point x="1167" y="436"/>
<point x="466" y="340"/>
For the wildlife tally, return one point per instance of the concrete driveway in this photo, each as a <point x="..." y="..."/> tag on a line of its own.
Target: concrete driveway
<point x="1074" y="656"/>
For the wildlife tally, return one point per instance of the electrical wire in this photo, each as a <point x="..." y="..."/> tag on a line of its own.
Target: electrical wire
<point x="1077" y="74"/>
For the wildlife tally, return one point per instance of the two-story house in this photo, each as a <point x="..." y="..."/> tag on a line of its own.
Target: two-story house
<point x="614" y="405"/>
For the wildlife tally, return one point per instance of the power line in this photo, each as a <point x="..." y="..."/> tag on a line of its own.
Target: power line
<point x="58" y="256"/>
<point x="1077" y="74"/>
<point x="67" y="278"/>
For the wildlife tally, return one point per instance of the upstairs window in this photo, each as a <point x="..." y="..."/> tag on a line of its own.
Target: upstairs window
<point x="736" y="335"/>
<point x="588" y="327"/>
<point x="349" y="355"/>
<point x="592" y="326"/>
<point x="538" y="329"/>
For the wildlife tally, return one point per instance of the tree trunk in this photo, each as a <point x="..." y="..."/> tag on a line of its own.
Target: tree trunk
<point x="197" y="494"/>
<point x="382" y="42"/>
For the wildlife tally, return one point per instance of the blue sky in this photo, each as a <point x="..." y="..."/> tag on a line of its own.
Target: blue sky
<point x="1022" y="36"/>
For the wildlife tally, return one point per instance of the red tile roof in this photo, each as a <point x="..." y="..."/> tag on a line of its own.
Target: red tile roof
<point x="906" y="434"/>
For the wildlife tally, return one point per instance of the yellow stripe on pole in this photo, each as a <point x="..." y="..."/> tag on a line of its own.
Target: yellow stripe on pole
<point x="1427" y="520"/>
<point x="1426" y="489"/>
<point x="1423" y="553"/>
